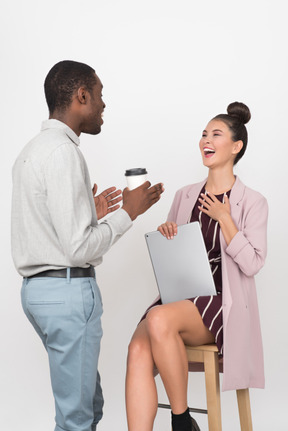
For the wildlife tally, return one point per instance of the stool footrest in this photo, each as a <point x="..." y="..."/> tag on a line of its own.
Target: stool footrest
<point x="191" y="409"/>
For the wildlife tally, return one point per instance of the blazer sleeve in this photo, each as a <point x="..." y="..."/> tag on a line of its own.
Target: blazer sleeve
<point x="248" y="248"/>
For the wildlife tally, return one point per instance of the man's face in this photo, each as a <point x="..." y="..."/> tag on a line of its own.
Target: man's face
<point x="94" y="110"/>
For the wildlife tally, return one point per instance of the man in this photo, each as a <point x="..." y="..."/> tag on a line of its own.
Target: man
<point x="57" y="241"/>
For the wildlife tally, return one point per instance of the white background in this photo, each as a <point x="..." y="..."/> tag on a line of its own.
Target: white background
<point x="167" y="68"/>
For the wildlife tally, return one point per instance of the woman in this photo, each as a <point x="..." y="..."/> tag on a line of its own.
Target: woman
<point x="233" y="220"/>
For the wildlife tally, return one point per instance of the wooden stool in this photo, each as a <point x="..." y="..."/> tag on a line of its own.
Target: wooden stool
<point x="208" y="355"/>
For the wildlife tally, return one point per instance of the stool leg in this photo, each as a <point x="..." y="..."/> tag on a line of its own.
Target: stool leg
<point x="244" y="409"/>
<point x="211" y="365"/>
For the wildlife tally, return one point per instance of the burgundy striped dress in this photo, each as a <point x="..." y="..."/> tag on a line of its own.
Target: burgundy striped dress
<point x="210" y="307"/>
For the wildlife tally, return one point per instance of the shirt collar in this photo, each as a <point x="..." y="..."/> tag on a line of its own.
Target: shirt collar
<point x="56" y="124"/>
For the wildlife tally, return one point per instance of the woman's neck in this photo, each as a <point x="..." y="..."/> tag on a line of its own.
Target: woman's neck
<point x="219" y="181"/>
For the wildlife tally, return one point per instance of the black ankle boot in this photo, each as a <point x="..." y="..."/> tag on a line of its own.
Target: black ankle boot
<point x="184" y="422"/>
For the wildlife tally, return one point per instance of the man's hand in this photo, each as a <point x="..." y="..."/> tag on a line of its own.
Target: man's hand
<point x="139" y="200"/>
<point x="106" y="202"/>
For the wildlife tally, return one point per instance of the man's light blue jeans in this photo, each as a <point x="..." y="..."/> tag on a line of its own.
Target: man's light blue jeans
<point x="66" y="314"/>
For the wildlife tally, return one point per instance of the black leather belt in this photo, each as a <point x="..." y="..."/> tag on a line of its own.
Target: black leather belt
<point x="75" y="272"/>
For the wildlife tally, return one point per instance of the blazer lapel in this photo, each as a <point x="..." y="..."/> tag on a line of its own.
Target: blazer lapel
<point x="236" y="198"/>
<point x="189" y="201"/>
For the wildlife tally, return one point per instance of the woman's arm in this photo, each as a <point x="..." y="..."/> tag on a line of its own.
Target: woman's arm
<point x="248" y="246"/>
<point x="169" y="228"/>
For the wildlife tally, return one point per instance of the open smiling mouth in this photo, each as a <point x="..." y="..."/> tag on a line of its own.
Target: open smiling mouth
<point x="208" y="152"/>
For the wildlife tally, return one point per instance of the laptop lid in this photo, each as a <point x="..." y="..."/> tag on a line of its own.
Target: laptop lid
<point x="181" y="265"/>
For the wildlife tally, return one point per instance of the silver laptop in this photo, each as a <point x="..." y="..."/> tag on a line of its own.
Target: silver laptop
<point x="181" y="264"/>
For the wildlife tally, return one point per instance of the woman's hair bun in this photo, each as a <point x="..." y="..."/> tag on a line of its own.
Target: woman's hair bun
<point x="240" y="111"/>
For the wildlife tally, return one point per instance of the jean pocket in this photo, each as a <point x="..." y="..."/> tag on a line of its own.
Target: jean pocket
<point x="46" y="302"/>
<point x="88" y="299"/>
<point x="45" y="308"/>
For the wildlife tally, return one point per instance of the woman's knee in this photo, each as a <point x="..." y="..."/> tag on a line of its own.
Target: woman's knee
<point x="138" y="349"/>
<point x="158" y="323"/>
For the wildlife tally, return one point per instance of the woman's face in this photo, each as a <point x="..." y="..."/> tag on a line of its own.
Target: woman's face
<point x="216" y="145"/>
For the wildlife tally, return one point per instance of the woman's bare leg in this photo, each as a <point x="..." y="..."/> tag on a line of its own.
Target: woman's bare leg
<point x="170" y="327"/>
<point x="160" y="339"/>
<point x="141" y="392"/>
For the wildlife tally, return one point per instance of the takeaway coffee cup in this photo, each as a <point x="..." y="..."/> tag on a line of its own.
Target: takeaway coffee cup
<point x="135" y="177"/>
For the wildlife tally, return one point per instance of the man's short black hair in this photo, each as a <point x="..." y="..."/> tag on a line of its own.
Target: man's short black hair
<point x="63" y="80"/>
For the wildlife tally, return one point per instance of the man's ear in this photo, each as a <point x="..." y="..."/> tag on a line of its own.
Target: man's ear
<point x="237" y="147"/>
<point x="82" y="95"/>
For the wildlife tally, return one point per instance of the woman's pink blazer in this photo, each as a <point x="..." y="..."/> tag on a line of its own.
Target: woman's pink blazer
<point x="243" y="353"/>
